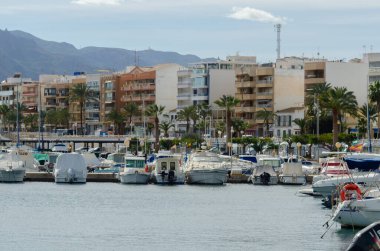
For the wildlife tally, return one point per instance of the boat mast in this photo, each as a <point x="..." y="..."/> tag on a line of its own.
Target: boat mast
<point x="17" y="110"/>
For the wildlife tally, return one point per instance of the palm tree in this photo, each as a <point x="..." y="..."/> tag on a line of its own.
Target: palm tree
<point x="301" y="124"/>
<point x="185" y="115"/>
<point x="117" y="119"/>
<point x="228" y="103"/>
<point x="339" y="100"/>
<point x="267" y="116"/>
<point x="155" y="111"/>
<point x="31" y="121"/>
<point x="374" y="96"/>
<point x="131" y="109"/>
<point x="362" y="114"/>
<point x="4" y="110"/>
<point x="165" y="127"/>
<point x="81" y="93"/>
<point x="239" y="125"/>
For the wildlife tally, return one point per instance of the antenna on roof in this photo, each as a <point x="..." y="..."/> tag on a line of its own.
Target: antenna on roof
<point x="278" y="28"/>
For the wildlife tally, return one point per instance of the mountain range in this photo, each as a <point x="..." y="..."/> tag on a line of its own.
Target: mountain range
<point x="31" y="56"/>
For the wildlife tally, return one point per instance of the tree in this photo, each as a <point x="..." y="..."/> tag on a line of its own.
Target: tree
<point x="81" y="93"/>
<point x="185" y="115"/>
<point x="117" y="119"/>
<point x="4" y="110"/>
<point x="228" y="103"/>
<point x="301" y="124"/>
<point x="155" y="111"/>
<point x="131" y="109"/>
<point x="268" y="117"/>
<point x="339" y="100"/>
<point x="165" y="127"/>
<point x="362" y="117"/>
<point x="239" y="125"/>
<point x="374" y="96"/>
<point x="31" y="121"/>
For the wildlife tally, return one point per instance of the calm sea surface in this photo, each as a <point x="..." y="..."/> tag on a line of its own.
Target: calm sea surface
<point x="110" y="216"/>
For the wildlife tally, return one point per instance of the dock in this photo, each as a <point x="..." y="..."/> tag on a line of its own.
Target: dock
<point x="91" y="177"/>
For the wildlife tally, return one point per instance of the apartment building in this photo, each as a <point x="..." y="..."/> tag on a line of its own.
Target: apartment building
<point x="254" y="88"/>
<point x="205" y="82"/>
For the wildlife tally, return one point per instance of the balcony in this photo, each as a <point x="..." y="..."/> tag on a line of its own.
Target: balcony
<point x="264" y="83"/>
<point x="184" y="84"/>
<point x="29" y="93"/>
<point x="240" y="109"/>
<point x="264" y="95"/>
<point x="265" y="71"/>
<point x="245" y="84"/>
<point x="262" y="107"/>
<point x="50" y="104"/>
<point x="183" y="97"/>
<point x="109" y="100"/>
<point x="311" y="81"/>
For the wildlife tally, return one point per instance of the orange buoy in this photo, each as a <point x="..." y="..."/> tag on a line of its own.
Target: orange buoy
<point x="350" y="187"/>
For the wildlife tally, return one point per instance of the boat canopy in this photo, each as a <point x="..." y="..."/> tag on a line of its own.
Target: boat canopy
<point x="74" y="161"/>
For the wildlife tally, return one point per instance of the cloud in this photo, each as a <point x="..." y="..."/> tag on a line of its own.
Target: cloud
<point x="97" y="2"/>
<point x="252" y="14"/>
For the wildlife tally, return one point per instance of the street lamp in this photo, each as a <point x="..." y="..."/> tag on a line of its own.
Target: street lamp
<point x="219" y="134"/>
<point x="229" y="144"/>
<point x="241" y="133"/>
<point x="338" y="145"/>
<point x="299" y="148"/>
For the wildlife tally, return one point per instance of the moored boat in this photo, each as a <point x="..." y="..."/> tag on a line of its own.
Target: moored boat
<point x="168" y="170"/>
<point x="70" y="168"/>
<point x="12" y="168"/>
<point x="206" y="168"/>
<point x="135" y="171"/>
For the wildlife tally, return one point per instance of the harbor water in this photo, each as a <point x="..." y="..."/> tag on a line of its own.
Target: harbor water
<point x="110" y="216"/>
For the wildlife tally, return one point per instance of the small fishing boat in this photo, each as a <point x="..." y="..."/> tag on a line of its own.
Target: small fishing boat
<point x="292" y="172"/>
<point x="168" y="170"/>
<point x="135" y="170"/>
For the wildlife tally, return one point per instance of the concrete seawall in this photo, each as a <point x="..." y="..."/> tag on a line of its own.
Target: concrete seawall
<point x="91" y="177"/>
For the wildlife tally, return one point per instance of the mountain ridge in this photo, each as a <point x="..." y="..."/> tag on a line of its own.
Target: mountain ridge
<point x="31" y="56"/>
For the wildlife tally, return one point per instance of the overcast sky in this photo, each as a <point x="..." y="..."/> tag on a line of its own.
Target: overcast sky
<point x="334" y="29"/>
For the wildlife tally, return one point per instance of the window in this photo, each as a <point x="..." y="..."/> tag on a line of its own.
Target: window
<point x="172" y="166"/>
<point x="163" y="166"/>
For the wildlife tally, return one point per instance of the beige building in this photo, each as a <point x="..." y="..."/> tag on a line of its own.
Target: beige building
<point x="254" y="88"/>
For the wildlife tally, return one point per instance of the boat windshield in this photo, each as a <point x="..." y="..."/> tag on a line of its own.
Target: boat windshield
<point x="207" y="159"/>
<point x="134" y="163"/>
<point x="53" y="158"/>
<point x="270" y="162"/>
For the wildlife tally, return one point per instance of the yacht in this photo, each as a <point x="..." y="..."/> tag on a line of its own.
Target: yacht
<point x="112" y="164"/>
<point x="70" y="168"/>
<point x="135" y="170"/>
<point x="168" y="170"/>
<point x="12" y="168"/>
<point x="206" y="168"/>
<point x="328" y="186"/>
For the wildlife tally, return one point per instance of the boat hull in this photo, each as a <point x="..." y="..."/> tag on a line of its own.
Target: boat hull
<point x="257" y="180"/>
<point x="67" y="177"/>
<point x="134" y="178"/>
<point x="12" y="175"/>
<point x="292" y="180"/>
<point x="358" y="213"/>
<point x="206" y="177"/>
<point x="164" y="180"/>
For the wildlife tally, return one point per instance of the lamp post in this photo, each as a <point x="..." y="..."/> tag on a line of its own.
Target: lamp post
<point x="338" y="145"/>
<point x="316" y="107"/>
<point x="17" y="110"/>
<point x="219" y="134"/>
<point x="232" y="132"/>
<point x="299" y="149"/>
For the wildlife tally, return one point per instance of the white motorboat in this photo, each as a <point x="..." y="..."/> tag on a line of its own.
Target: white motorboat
<point x="327" y="186"/>
<point x="355" y="210"/>
<point x="292" y="173"/>
<point x="268" y="160"/>
<point x="112" y="164"/>
<point x="70" y="168"/>
<point x="135" y="171"/>
<point x="168" y="170"/>
<point x="332" y="167"/>
<point x="206" y="168"/>
<point x="264" y="175"/>
<point x="12" y="168"/>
